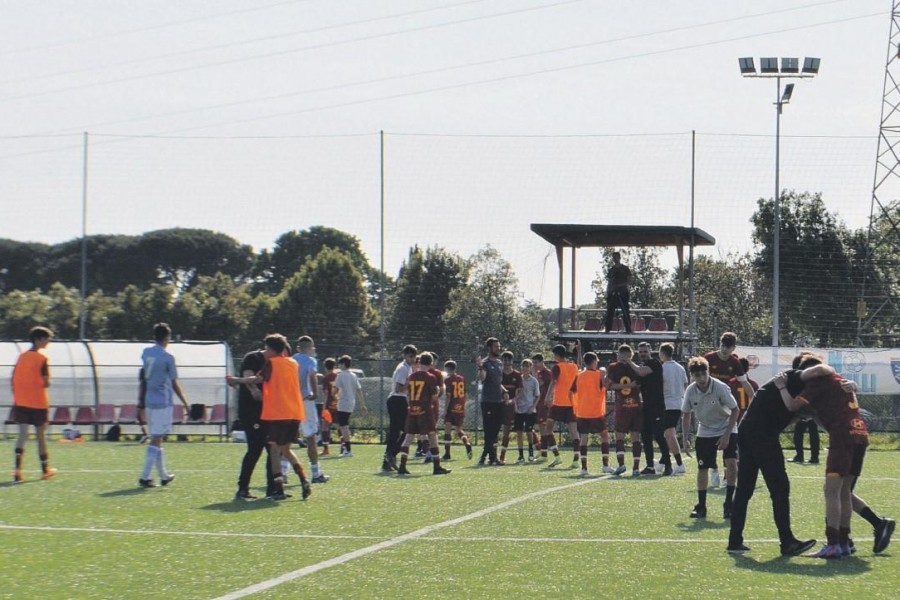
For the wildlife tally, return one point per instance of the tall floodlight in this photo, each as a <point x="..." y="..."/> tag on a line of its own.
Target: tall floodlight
<point x="773" y="68"/>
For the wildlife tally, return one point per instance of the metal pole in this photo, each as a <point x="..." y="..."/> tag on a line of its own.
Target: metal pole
<point x="82" y="313"/>
<point x="381" y="329"/>
<point x="691" y="251"/>
<point x="776" y="259"/>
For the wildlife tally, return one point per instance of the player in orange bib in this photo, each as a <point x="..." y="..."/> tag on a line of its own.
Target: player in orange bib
<point x="30" y="380"/>
<point x="282" y="409"/>
<point x="560" y="395"/>
<point x="590" y="410"/>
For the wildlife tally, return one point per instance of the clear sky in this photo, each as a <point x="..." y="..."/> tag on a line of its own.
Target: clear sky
<point x="254" y="117"/>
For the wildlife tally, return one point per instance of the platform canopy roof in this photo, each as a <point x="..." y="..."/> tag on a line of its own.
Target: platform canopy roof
<point x="582" y="236"/>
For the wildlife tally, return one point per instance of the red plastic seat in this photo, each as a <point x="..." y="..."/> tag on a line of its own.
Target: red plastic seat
<point x="618" y="325"/>
<point x="593" y="324"/>
<point x="61" y="416"/>
<point x="638" y="324"/>
<point x="84" y="416"/>
<point x="106" y="414"/>
<point x="217" y="414"/>
<point x="128" y="414"/>
<point x="658" y="324"/>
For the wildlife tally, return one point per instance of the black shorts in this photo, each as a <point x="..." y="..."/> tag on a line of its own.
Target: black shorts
<point x="524" y="421"/>
<point x="708" y="449"/>
<point x="282" y="432"/>
<point x="319" y="409"/>
<point x="562" y="414"/>
<point x="343" y="418"/>
<point x="671" y="418"/>
<point x="596" y="425"/>
<point x="25" y="415"/>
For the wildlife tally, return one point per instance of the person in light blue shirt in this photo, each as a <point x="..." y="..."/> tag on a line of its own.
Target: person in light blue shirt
<point x="160" y="376"/>
<point x="308" y="365"/>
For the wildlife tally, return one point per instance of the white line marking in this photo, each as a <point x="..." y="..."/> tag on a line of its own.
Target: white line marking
<point x="343" y="558"/>
<point x="191" y="533"/>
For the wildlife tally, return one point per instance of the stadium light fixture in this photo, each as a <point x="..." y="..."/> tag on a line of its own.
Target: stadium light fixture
<point x="790" y="69"/>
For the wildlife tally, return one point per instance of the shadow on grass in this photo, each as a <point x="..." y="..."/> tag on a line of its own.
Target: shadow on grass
<point x="802" y="565"/>
<point x="132" y="491"/>
<point x="695" y="525"/>
<point x="236" y="506"/>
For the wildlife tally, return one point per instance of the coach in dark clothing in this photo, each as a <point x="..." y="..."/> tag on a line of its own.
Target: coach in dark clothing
<point x="490" y="372"/>
<point x="249" y="410"/>
<point x="759" y="449"/>
<point x="650" y="372"/>
<point x="618" y="278"/>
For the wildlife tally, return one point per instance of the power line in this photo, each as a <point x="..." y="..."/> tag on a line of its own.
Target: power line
<point x="266" y="55"/>
<point x="241" y="43"/>
<point x="336" y="87"/>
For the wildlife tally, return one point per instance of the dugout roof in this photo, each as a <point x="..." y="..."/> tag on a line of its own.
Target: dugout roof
<point x="584" y="236"/>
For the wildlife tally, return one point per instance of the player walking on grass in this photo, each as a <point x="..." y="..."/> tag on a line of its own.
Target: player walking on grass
<point x="455" y="415"/>
<point x="674" y="383"/>
<point x="544" y="425"/>
<point x="526" y="405"/>
<point x="562" y="408"/>
<point x="760" y="449"/>
<point x="162" y="381"/>
<point x="590" y="410"/>
<point x="31" y="403"/>
<point x="835" y="405"/>
<point x="512" y="384"/>
<point x="309" y="386"/>
<point x="629" y="416"/>
<point x="282" y="410"/>
<point x="349" y="395"/>
<point x="329" y="411"/>
<point x="717" y="412"/>
<point x="249" y="410"/>
<point x="490" y="373"/>
<point x="422" y="389"/>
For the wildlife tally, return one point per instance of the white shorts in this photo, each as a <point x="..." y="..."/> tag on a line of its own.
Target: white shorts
<point x="159" y="421"/>
<point x="310" y="424"/>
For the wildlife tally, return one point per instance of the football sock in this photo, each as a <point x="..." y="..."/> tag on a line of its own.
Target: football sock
<point x="701" y="498"/>
<point x="530" y="447"/>
<point x="584" y="456"/>
<point x="521" y="452"/>
<point x="19" y="453"/>
<point x="149" y="461"/>
<point x="620" y="446"/>
<point x="419" y="446"/>
<point x="161" y="464"/>
<point x="404" y="456"/>
<point x="678" y="459"/>
<point x="604" y="451"/>
<point x="729" y="494"/>
<point x="447" y="443"/>
<point x="315" y="469"/>
<point x="869" y="515"/>
<point x="347" y="445"/>
<point x="844" y="535"/>
<point x="832" y="536"/>
<point x="45" y="463"/>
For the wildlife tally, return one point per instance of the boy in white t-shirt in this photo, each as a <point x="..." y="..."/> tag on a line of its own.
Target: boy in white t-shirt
<point x="349" y="392"/>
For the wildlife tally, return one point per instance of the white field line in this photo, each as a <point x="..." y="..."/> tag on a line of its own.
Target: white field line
<point x="344" y="558"/>
<point x="479" y="539"/>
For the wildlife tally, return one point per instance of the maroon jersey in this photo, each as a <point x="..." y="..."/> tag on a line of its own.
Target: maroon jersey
<point x="724" y="369"/>
<point x="438" y="376"/>
<point x="544" y="377"/>
<point x="740" y="395"/>
<point x="422" y="389"/>
<point x="837" y="410"/>
<point x="512" y="382"/>
<point x="626" y="397"/>
<point x="328" y="389"/>
<point x="456" y="394"/>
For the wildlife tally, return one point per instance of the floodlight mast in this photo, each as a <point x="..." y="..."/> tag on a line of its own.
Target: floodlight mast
<point x="790" y="69"/>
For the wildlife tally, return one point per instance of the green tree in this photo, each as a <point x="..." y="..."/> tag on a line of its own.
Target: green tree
<point x="215" y="308"/>
<point x="422" y="296"/>
<point x="486" y="305"/>
<point x="136" y="310"/>
<point x="819" y="280"/>
<point x="327" y="300"/>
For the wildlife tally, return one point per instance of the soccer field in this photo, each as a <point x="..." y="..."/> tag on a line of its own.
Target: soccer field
<point x="480" y="532"/>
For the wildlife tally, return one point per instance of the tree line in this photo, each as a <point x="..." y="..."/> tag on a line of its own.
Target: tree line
<point x="319" y="282"/>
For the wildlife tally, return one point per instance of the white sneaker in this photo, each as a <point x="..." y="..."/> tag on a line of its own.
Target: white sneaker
<point x="659" y="467"/>
<point x="679" y="470"/>
<point x="346" y="454"/>
<point x="607" y="469"/>
<point x="584" y="472"/>
<point x="715" y="480"/>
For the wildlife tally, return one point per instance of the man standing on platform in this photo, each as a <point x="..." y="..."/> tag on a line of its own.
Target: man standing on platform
<point x="618" y="280"/>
